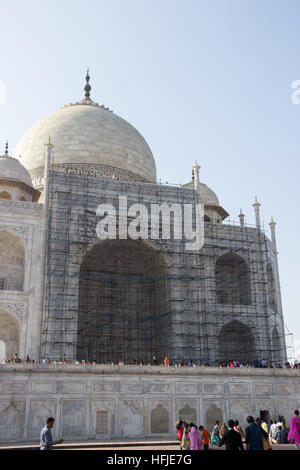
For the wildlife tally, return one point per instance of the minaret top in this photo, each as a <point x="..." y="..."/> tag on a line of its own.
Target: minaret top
<point x="195" y="173"/>
<point x="87" y="96"/>
<point x="242" y="218"/>
<point x="87" y="87"/>
<point x="6" y="153"/>
<point x="256" y="204"/>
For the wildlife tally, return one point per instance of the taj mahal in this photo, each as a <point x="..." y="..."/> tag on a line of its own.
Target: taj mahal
<point x="98" y="311"/>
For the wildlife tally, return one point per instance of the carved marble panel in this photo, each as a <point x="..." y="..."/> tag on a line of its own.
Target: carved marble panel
<point x="73" y="418"/>
<point x="263" y="389"/>
<point x="102" y="418"/>
<point x="132" y="387"/>
<point x="39" y="411"/>
<point x="131" y="412"/>
<point x="159" y="387"/>
<point x="213" y="389"/>
<point x="187" y="387"/>
<point x="238" y="388"/>
<point x="286" y="389"/>
<point x="14" y="387"/>
<point x="12" y="416"/>
<point x="102" y="387"/>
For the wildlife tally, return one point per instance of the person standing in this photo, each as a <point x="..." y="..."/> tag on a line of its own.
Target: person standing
<point x="179" y="430"/>
<point x="215" y="436"/>
<point x="254" y="434"/>
<point x="264" y="425"/>
<point x="185" y="443"/>
<point x="279" y="436"/>
<point x="272" y="433"/>
<point x="231" y="438"/>
<point x="46" y="440"/>
<point x="195" y="439"/>
<point x="205" y="437"/>
<point x="223" y="429"/>
<point x="294" y="434"/>
<point x="238" y="428"/>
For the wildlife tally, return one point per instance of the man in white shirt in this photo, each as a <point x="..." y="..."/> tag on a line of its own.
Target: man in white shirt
<point x="273" y="430"/>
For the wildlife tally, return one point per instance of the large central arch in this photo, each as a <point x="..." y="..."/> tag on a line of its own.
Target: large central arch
<point x="122" y="303"/>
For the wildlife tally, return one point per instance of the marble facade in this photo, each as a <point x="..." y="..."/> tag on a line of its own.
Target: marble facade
<point x="101" y="402"/>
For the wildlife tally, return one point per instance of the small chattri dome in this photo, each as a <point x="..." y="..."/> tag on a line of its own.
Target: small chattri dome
<point x="207" y="195"/>
<point x="12" y="169"/>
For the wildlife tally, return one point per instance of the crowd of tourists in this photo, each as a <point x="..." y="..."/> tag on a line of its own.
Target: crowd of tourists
<point x="257" y="363"/>
<point x="258" y="434"/>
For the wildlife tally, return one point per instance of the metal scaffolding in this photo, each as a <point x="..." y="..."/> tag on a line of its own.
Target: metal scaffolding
<point x="123" y="300"/>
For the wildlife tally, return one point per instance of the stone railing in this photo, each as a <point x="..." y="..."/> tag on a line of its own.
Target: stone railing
<point x="150" y="369"/>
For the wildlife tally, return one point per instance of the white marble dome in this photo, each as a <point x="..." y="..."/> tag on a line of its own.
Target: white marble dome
<point x="12" y="169"/>
<point x="88" y="134"/>
<point x="207" y="195"/>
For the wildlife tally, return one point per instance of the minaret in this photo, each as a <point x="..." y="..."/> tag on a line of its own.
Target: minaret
<point x="48" y="148"/>
<point x="45" y="248"/>
<point x="273" y="235"/>
<point x="256" y="206"/>
<point x="196" y="178"/>
<point x="242" y="218"/>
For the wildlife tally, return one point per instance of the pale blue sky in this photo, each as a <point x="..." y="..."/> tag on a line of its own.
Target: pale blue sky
<point x="199" y="79"/>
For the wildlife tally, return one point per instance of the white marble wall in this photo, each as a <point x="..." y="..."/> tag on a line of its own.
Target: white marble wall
<point x="99" y="402"/>
<point x="24" y="220"/>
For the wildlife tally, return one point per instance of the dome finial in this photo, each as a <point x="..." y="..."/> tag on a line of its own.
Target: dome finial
<point x="87" y="87"/>
<point x="6" y="148"/>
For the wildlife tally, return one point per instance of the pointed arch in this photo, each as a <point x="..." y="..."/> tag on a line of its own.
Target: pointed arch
<point x="5" y="195"/>
<point x="12" y="261"/>
<point x="236" y="342"/>
<point x="122" y="303"/>
<point x="9" y="333"/>
<point x="232" y="275"/>
<point x="213" y="414"/>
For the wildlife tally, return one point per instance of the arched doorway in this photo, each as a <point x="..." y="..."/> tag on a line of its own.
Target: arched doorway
<point x="12" y="261"/>
<point x="9" y="333"/>
<point x="213" y="414"/>
<point x="5" y="195"/>
<point x="232" y="280"/>
<point x="122" y="303"/>
<point x="236" y="342"/>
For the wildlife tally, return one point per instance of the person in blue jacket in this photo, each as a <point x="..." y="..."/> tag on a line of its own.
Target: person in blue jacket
<point x="253" y="435"/>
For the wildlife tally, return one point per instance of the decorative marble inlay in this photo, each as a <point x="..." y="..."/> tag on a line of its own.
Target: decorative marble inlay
<point x="21" y="231"/>
<point x="21" y="204"/>
<point x="16" y="309"/>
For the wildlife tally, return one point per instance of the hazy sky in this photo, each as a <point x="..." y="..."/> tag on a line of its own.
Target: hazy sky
<point x="199" y="79"/>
